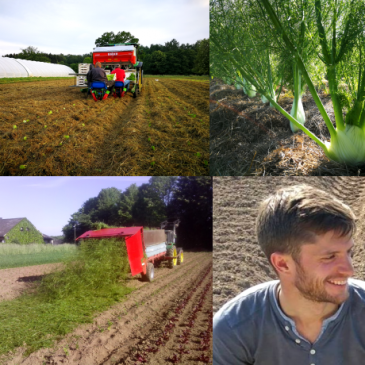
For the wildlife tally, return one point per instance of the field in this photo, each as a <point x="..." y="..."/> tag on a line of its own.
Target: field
<point x="238" y="260"/>
<point x="163" y="322"/>
<point x="249" y="137"/>
<point x="15" y="255"/>
<point x="48" y="128"/>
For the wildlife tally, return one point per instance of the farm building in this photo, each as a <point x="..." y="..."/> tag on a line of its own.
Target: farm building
<point x="19" y="230"/>
<point x="14" y="67"/>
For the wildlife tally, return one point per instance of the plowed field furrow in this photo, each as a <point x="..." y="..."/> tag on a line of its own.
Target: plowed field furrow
<point x="156" y="342"/>
<point x="114" y="334"/>
<point x="238" y="260"/>
<point x="48" y="128"/>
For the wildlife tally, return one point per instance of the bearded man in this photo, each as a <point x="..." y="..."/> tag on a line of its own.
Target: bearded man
<point x="315" y="313"/>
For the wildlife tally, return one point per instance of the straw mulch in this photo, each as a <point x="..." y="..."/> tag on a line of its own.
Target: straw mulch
<point x="250" y="138"/>
<point x="48" y="128"/>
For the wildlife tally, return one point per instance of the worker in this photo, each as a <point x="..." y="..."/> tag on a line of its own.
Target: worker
<point x="121" y="77"/>
<point x="97" y="74"/>
<point x="314" y="313"/>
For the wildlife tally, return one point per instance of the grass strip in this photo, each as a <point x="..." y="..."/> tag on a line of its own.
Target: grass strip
<point x="65" y="299"/>
<point x="40" y="258"/>
<point x="16" y="255"/>
<point x="11" y="80"/>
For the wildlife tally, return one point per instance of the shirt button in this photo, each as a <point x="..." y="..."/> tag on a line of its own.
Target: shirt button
<point x="297" y="340"/>
<point x="287" y="328"/>
<point x="313" y="352"/>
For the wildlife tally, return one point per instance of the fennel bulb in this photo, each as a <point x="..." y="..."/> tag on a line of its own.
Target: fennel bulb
<point x="347" y="146"/>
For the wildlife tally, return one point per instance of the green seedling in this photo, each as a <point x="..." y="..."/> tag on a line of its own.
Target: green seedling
<point x="50" y="112"/>
<point x="61" y="144"/>
<point x="45" y="126"/>
<point x="153" y="163"/>
<point x="24" y="121"/>
<point x="65" y="349"/>
<point x="149" y="139"/>
<point x="63" y="108"/>
<point x="83" y="124"/>
<point x="25" y="138"/>
<point x="188" y="142"/>
<point x="153" y="147"/>
<point x="198" y="154"/>
<point x="14" y="126"/>
<point x="67" y="137"/>
<point x="22" y="167"/>
<point x="206" y="162"/>
<point x="73" y="104"/>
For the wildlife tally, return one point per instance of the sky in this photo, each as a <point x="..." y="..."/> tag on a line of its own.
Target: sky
<point x="72" y="26"/>
<point x="48" y="202"/>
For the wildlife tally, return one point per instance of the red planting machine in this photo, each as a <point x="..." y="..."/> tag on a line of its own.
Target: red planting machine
<point x="124" y="54"/>
<point x="145" y="247"/>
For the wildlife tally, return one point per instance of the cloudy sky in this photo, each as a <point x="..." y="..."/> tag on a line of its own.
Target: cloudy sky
<point x="48" y="202"/>
<point x="72" y="26"/>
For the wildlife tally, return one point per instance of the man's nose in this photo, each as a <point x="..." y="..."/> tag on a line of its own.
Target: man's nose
<point x="346" y="268"/>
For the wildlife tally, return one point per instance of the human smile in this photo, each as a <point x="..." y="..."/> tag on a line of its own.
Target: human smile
<point x="338" y="282"/>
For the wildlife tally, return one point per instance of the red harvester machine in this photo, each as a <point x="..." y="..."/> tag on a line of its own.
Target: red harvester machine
<point x="144" y="247"/>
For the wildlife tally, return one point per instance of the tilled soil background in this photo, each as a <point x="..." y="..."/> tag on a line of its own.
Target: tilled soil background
<point x="49" y="128"/>
<point x="249" y="137"/>
<point x="163" y="322"/>
<point x="238" y="260"/>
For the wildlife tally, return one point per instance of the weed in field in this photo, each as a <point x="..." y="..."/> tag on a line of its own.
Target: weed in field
<point x="153" y="148"/>
<point x="153" y="163"/>
<point x="89" y="283"/>
<point x="14" y="126"/>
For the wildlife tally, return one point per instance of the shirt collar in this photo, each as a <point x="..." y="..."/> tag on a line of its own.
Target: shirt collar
<point x="288" y="320"/>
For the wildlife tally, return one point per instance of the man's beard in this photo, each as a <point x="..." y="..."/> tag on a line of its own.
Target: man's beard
<point x="315" y="290"/>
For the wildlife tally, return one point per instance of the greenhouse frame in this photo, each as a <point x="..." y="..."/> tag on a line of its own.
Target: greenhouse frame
<point x="15" y="67"/>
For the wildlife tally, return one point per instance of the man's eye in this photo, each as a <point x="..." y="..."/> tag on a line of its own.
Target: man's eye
<point x="329" y="257"/>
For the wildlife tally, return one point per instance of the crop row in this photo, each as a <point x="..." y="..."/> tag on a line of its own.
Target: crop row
<point x="163" y="335"/>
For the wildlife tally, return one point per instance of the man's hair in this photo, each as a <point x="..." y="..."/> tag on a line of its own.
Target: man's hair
<point x="296" y="215"/>
<point x="98" y="64"/>
<point x="117" y="66"/>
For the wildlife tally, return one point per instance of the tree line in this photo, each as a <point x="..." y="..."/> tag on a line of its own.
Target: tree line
<point x="188" y="199"/>
<point x="168" y="59"/>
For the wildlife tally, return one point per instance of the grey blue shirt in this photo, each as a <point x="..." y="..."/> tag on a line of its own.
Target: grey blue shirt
<point x="252" y="329"/>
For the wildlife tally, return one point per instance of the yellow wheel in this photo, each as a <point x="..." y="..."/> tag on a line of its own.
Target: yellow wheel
<point x="180" y="256"/>
<point x="172" y="252"/>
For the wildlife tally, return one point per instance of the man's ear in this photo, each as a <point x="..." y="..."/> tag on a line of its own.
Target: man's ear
<point x="280" y="262"/>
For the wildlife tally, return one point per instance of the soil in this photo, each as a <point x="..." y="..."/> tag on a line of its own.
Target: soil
<point x="164" y="131"/>
<point x="238" y="260"/>
<point x="18" y="280"/>
<point x="249" y="137"/>
<point x="163" y="322"/>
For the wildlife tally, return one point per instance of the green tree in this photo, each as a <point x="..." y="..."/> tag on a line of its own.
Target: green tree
<point x="126" y="203"/>
<point x="107" y="206"/>
<point x="149" y="209"/>
<point x="88" y="60"/>
<point x="112" y="38"/>
<point x="158" y="64"/>
<point x="192" y="204"/>
<point x="202" y="58"/>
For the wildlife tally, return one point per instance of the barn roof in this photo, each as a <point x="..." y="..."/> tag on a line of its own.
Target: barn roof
<point x="7" y="224"/>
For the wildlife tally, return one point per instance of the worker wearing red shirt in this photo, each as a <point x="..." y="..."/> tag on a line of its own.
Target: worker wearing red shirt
<point x="120" y="77"/>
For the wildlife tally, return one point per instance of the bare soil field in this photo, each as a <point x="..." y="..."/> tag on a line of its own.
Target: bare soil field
<point x="18" y="280"/>
<point x="48" y="128"/>
<point x="238" y="260"/>
<point x="249" y="137"/>
<point x="163" y="322"/>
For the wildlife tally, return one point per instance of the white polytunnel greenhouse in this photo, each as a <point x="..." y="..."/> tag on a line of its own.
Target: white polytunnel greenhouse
<point x="15" y="67"/>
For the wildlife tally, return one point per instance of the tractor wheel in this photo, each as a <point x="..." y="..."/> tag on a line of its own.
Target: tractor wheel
<point x="150" y="273"/>
<point x="180" y="256"/>
<point x="171" y="252"/>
